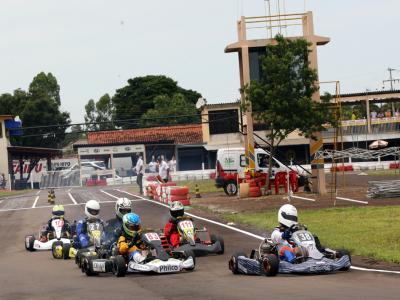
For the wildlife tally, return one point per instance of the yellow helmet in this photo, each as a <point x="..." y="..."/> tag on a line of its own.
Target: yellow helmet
<point x="58" y="210"/>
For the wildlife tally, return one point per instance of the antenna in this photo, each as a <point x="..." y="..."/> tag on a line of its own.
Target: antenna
<point x="391" y="80"/>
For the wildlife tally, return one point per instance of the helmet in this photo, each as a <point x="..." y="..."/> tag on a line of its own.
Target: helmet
<point x="92" y="209"/>
<point x="176" y="209"/>
<point x="122" y="207"/>
<point x="131" y="223"/>
<point x="58" y="211"/>
<point x="287" y="215"/>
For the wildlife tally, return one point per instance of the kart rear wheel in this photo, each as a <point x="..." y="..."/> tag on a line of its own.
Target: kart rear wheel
<point x="65" y="250"/>
<point x="57" y="250"/>
<point x="341" y="253"/>
<point x="233" y="262"/>
<point x="29" y="241"/>
<point x="119" y="266"/>
<point x="215" y="238"/>
<point x="87" y="266"/>
<point x="270" y="265"/>
<point x="190" y="253"/>
<point x="230" y="188"/>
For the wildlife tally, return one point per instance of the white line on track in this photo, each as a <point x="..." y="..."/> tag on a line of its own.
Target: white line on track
<point x="109" y="194"/>
<point x="352" y="200"/>
<point x="38" y="192"/>
<point x="34" y="203"/>
<point x="249" y="233"/>
<point x="1" y="201"/>
<point x="47" y="206"/>
<point x="72" y="198"/>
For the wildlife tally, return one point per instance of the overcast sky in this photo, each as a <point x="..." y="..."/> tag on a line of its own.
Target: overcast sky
<point x="94" y="46"/>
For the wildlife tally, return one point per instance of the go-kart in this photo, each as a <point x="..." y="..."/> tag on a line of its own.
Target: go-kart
<point x="95" y="231"/>
<point x="311" y="257"/>
<point x="158" y="260"/>
<point x="58" y="240"/>
<point x="197" y="240"/>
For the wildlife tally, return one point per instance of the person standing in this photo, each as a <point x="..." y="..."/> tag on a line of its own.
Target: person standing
<point x="163" y="169"/>
<point x="153" y="165"/>
<point x="139" y="173"/>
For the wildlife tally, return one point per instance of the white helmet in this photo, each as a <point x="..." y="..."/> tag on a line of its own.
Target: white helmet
<point x="122" y="207"/>
<point x="176" y="209"/>
<point x="287" y="215"/>
<point x="92" y="209"/>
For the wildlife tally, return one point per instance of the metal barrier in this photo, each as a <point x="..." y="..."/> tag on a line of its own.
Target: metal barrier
<point x="57" y="179"/>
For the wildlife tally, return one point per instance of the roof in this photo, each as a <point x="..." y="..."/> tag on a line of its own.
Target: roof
<point x="181" y="134"/>
<point x="17" y="151"/>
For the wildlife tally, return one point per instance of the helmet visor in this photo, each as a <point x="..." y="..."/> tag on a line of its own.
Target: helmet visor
<point x="289" y="217"/>
<point x="93" y="212"/>
<point x="125" y="210"/>
<point x="58" y="213"/>
<point x="133" y="227"/>
<point x="177" y="213"/>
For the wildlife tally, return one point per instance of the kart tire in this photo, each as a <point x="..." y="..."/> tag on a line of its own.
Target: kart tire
<point x="65" y="250"/>
<point x="190" y="253"/>
<point x="233" y="262"/>
<point x="87" y="267"/>
<point x="78" y="258"/>
<point x="119" y="266"/>
<point x="29" y="241"/>
<point x="214" y="239"/>
<point x="230" y="188"/>
<point x="342" y="252"/>
<point x="55" y="249"/>
<point x="270" y="265"/>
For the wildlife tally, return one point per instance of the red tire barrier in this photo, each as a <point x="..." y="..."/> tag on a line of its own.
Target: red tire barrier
<point x="179" y="191"/>
<point x="178" y="197"/>
<point x="254" y="191"/>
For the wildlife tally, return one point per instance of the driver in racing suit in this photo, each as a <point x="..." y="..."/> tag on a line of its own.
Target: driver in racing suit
<point x="113" y="227"/>
<point x="92" y="210"/>
<point x="129" y="243"/>
<point x="287" y="218"/>
<point x="176" y="211"/>
<point x="58" y="212"/>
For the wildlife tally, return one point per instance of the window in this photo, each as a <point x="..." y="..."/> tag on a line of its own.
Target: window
<point x="223" y="121"/>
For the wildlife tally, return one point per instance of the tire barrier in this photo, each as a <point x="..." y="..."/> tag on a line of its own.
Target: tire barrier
<point x="167" y="192"/>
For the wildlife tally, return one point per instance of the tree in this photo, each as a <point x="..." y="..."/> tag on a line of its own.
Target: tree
<point x="39" y="108"/>
<point x="100" y="114"/>
<point x="135" y="99"/>
<point x="282" y="96"/>
<point x="170" y="111"/>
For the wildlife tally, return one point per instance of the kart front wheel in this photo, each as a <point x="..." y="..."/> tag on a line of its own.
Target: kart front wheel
<point x="29" y="241"/>
<point x="65" y="250"/>
<point x="270" y="265"/>
<point x="216" y="238"/>
<point x="87" y="267"/>
<point x="57" y="249"/>
<point x="190" y="253"/>
<point x="119" y="266"/>
<point x="233" y="262"/>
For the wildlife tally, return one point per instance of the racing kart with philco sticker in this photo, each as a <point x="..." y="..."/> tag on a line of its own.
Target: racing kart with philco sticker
<point x="56" y="238"/>
<point x="311" y="257"/>
<point x="198" y="240"/>
<point x="158" y="260"/>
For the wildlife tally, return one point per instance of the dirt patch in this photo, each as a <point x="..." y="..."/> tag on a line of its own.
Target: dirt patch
<point x="350" y="186"/>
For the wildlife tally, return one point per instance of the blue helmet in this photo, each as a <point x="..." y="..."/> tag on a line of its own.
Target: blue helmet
<point x="131" y="223"/>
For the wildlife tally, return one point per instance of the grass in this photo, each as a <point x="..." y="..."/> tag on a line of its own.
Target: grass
<point x="7" y="193"/>
<point x="368" y="231"/>
<point x="384" y="172"/>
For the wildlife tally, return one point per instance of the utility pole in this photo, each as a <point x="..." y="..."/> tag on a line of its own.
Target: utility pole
<point x="391" y="80"/>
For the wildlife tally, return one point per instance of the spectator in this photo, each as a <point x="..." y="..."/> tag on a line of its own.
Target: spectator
<point x="153" y="165"/>
<point x="2" y="181"/>
<point x="373" y="114"/>
<point x="353" y="116"/>
<point x="388" y="114"/>
<point x="380" y="115"/>
<point x="139" y="171"/>
<point x="172" y="164"/>
<point x="163" y="169"/>
<point x="396" y="113"/>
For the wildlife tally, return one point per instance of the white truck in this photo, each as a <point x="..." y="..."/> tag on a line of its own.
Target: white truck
<point x="231" y="163"/>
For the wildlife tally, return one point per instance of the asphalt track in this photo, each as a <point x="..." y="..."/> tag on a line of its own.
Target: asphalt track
<point x="36" y="275"/>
